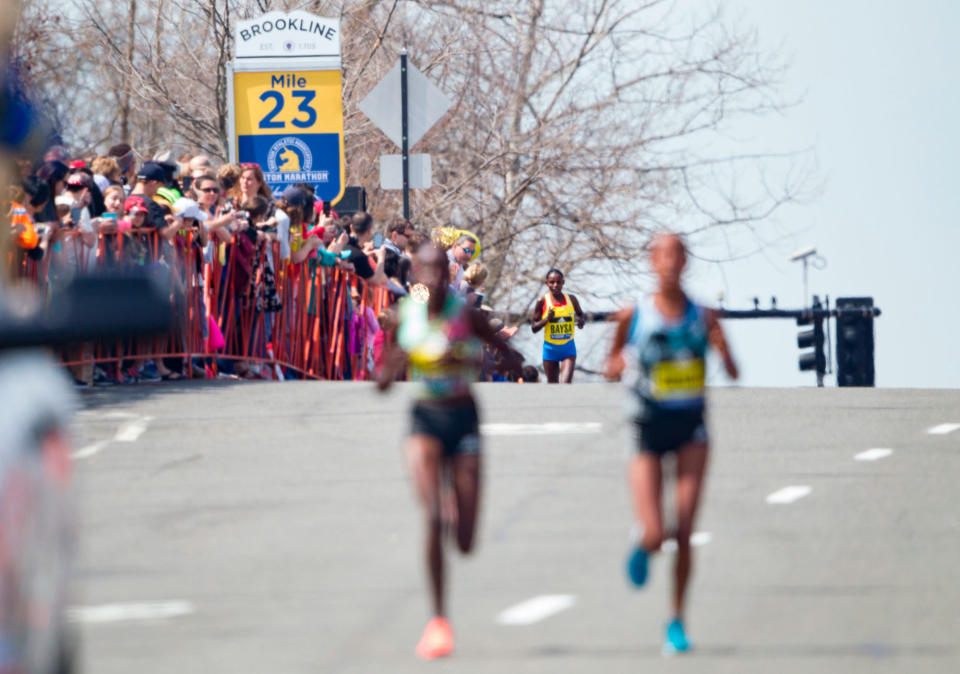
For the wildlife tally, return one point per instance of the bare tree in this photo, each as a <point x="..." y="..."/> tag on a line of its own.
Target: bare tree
<point x="578" y="128"/>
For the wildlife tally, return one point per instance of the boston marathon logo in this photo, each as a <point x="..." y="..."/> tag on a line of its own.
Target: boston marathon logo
<point x="291" y="161"/>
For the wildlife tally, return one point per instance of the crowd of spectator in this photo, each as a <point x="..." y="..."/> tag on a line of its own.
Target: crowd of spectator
<point x="182" y="214"/>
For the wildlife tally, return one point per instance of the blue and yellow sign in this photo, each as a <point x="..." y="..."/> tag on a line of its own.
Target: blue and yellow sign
<point x="291" y="124"/>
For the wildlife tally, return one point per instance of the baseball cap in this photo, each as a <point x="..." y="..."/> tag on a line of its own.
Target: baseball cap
<point x="78" y="181"/>
<point x="151" y="171"/>
<point x="168" y="195"/>
<point x="188" y="208"/>
<point x="135" y="204"/>
<point x="294" y="196"/>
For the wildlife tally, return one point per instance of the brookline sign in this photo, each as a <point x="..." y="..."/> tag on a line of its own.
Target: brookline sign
<point x="287" y="34"/>
<point x="285" y="101"/>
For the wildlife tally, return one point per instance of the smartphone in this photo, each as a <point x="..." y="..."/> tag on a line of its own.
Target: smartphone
<point x="378" y="239"/>
<point x="326" y="208"/>
<point x="76" y="214"/>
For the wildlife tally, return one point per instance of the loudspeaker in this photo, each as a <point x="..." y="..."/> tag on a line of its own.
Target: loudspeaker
<point x="354" y="199"/>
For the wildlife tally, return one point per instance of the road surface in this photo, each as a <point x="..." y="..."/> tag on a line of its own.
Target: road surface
<point x="269" y="527"/>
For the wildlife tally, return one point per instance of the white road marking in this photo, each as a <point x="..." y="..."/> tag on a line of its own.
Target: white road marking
<point x="127" y="432"/>
<point x="789" y="494"/>
<point x="536" y="609"/>
<point x="873" y="454"/>
<point x="89" y="450"/>
<point x="131" y="430"/>
<point x="550" y="428"/>
<point x="113" y="414"/>
<point x="697" y="538"/>
<point x="943" y="429"/>
<point x="112" y="613"/>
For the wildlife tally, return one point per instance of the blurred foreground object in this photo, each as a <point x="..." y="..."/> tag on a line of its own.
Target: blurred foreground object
<point x="92" y="307"/>
<point x="37" y="527"/>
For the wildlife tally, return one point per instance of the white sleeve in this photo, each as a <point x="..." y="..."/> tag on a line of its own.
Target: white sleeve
<point x="283" y="233"/>
<point x="86" y="223"/>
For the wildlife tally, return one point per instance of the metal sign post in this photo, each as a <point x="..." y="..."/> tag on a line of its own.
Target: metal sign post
<point x="422" y="105"/>
<point x="403" y="132"/>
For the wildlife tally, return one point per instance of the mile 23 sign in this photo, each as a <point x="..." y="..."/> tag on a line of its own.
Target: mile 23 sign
<point x="286" y="105"/>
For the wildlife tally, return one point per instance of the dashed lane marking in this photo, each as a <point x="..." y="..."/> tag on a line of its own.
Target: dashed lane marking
<point x="89" y="450"/>
<point x="536" y="609"/>
<point x="129" y="431"/>
<point x="943" y="429"/>
<point x="113" y="613"/>
<point x="873" y="454"/>
<point x="789" y="494"/>
<point x="550" y="428"/>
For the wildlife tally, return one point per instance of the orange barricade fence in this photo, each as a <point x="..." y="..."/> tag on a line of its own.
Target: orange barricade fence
<point x="237" y="306"/>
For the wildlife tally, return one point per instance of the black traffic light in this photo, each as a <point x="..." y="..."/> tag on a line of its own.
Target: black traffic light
<point x="816" y="359"/>
<point x="855" y="341"/>
<point x="813" y="337"/>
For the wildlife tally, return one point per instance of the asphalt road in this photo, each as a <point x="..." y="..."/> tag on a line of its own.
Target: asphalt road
<point x="261" y="527"/>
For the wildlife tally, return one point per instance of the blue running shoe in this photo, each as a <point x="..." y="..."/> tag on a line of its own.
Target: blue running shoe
<point x="675" y="640"/>
<point x="637" y="566"/>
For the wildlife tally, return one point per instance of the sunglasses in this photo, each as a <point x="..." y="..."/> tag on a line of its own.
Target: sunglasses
<point x="215" y="190"/>
<point x="467" y="251"/>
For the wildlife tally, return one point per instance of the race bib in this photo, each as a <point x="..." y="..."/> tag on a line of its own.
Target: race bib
<point x="678" y="379"/>
<point x="560" y="331"/>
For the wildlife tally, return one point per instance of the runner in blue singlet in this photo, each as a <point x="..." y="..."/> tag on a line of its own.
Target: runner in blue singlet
<point x="665" y="338"/>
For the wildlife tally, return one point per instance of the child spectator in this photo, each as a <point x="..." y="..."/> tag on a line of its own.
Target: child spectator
<point x="474" y="278"/>
<point x="364" y="330"/>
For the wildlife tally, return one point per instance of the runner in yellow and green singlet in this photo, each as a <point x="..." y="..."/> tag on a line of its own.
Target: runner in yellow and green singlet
<point x="439" y="338"/>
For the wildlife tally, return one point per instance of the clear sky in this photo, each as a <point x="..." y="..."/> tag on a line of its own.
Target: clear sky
<point x="881" y="107"/>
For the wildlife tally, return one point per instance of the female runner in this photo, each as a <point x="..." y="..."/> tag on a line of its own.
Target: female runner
<point x="666" y="335"/>
<point x="439" y="337"/>
<point x="557" y="311"/>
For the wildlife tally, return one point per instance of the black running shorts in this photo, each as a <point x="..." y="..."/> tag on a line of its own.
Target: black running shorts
<point x="668" y="431"/>
<point x="457" y="427"/>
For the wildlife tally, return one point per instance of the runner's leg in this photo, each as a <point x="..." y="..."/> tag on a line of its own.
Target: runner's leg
<point x="566" y="368"/>
<point x="691" y="466"/>
<point x="551" y="368"/>
<point x="466" y="484"/>
<point x="645" y="478"/>
<point x="425" y="456"/>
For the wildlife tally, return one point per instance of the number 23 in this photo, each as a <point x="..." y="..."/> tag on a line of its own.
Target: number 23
<point x="305" y="96"/>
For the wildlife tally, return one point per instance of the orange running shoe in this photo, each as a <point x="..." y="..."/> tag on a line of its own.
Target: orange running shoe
<point x="437" y="640"/>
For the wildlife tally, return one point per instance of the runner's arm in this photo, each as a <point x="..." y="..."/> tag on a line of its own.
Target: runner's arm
<point x="537" y="319"/>
<point x="615" y="363"/>
<point x="481" y="326"/>
<point x="393" y="364"/>
<point x="581" y="318"/>
<point x="719" y="341"/>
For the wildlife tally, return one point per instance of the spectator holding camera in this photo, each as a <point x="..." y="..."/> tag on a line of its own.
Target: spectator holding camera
<point x="76" y="239"/>
<point x="396" y="263"/>
<point x="361" y="226"/>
